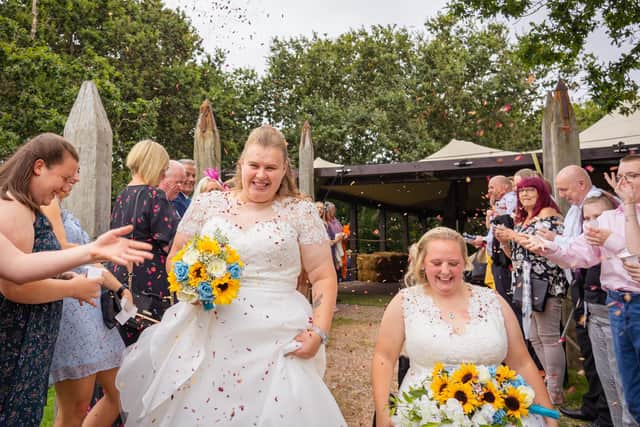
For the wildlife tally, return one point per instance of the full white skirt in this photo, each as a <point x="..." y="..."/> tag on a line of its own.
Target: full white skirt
<point x="227" y="367"/>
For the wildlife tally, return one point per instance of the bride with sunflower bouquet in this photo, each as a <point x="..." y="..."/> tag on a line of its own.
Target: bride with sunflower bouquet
<point x="243" y="347"/>
<point x="469" y="362"/>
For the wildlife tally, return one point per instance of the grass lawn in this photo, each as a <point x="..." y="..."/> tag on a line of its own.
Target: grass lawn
<point x="47" y="419"/>
<point x="359" y="299"/>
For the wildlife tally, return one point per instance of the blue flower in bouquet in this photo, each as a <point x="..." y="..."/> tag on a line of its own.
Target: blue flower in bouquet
<point x="235" y="270"/>
<point x="205" y="292"/>
<point x="498" y="416"/>
<point x="492" y="371"/>
<point x="181" y="270"/>
<point x="517" y="381"/>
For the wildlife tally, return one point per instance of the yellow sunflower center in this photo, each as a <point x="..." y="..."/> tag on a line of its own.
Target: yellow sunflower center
<point x="466" y="378"/>
<point x="461" y="396"/>
<point x="489" y="397"/>
<point x="223" y="286"/>
<point x="512" y="403"/>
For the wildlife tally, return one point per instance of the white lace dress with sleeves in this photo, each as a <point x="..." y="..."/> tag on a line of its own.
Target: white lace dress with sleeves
<point x="228" y="366"/>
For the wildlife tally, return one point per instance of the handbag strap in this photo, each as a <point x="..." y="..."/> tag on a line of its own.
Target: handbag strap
<point x="133" y="223"/>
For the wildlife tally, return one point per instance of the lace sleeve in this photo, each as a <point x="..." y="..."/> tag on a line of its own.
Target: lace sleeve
<point x="199" y="210"/>
<point x="307" y="222"/>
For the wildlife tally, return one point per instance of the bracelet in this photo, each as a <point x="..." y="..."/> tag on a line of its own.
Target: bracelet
<point x="120" y="291"/>
<point x="322" y="334"/>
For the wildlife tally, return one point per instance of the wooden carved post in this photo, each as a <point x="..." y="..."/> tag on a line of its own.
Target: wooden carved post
<point x="207" y="151"/>
<point x="305" y="162"/>
<point x="563" y="144"/>
<point x="88" y="129"/>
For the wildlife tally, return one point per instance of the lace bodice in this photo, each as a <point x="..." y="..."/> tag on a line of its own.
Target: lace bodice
<point x="430" y="339"/>
<point x="268" y="238"/>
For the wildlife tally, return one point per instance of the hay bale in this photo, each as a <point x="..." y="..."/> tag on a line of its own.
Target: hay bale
<point x="382" y="266"/>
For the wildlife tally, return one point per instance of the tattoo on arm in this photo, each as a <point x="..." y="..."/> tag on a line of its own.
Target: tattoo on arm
<point x="317" y="301"/>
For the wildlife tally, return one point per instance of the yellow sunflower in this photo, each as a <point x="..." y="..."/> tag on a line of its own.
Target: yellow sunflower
<point x="206" y="245"/>
<point x="197" y="274"/>
<point x="232" y="256"/>
<point x="225" y="289"/>
<point x="463" y="393"/>
<point x="514" y="403"/>
<point x="437" y="368"/>
<point x="467" y="372"/>
<point x="490" y="394"/>
<point x="439" y="387"/>
<point x="174" y="285"/>
<point x="504" y="373"/>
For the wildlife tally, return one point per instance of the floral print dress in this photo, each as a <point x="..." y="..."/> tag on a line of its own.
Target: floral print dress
<point x="155" y="221"/>
<point x="540" y="266"/>
<point x="28" y="334"/>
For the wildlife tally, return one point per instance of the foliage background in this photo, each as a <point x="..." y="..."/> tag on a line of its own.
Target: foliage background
<point x="372" y="95"/>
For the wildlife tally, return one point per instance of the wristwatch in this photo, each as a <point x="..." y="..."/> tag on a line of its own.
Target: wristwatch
<point x="120" y="291"/>
<point x="322" y="334"/>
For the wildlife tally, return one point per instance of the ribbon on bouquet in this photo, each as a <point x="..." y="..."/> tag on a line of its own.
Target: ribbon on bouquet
<point x="545" y="412"/>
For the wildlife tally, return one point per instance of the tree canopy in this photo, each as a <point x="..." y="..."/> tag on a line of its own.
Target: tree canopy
<point x="386" y="94"/>
<point x="561" y="38"/>
<point x="372" y="95"/>
<point x="145" y="59"/>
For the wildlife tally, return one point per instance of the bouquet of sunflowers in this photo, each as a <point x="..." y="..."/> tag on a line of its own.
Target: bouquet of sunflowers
<point x="207" y="270"/>
<point x="468" y="395"/>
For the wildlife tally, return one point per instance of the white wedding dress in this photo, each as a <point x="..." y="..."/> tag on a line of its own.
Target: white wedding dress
<point x="429" y="339"/>
<point x="228" y="366"/>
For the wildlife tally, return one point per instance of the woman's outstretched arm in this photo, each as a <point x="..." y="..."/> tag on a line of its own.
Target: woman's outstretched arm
<point x="110" y="246"/>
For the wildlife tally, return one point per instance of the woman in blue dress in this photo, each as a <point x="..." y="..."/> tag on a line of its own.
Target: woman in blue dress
<point x="31" y="312"/>
<point x="86" y="351"/>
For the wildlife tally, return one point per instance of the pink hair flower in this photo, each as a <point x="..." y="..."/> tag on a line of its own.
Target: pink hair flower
<point x="212" y="173"/>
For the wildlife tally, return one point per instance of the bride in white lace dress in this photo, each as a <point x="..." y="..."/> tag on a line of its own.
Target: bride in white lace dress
<point x="260" y="360"/>
<point x="443" y="319"/>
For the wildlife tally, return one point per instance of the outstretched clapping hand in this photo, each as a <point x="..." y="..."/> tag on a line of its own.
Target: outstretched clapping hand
<point x="623" y="188"/>
<point x="111" y="246"/>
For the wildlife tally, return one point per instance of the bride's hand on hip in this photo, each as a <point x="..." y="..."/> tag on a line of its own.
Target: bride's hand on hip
<point x="310" y="344"/>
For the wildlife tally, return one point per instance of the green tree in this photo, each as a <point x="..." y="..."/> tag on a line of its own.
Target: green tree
<point x="561" y="38"/>
<point x="471" y="85"/>
<point x="146" y="60"/>
<point x="587" y="114"/>
<point x="386" y="94"/>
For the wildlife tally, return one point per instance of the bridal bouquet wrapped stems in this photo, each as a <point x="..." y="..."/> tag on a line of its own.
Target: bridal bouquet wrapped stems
<point x="206" y="269"/>
<point x="467" y="395"/>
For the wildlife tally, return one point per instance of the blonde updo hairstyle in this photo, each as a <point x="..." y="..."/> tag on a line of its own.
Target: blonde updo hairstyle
<point x="268" y="137"/>
<point x="149" y="160"/>
<point x="415" y="274"/>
